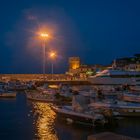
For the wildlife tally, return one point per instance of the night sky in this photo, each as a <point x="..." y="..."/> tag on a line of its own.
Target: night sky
<point x="98" y="31"/>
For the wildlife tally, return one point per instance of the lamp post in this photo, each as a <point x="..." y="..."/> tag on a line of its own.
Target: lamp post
<point x="44" y="36"/>
<point x="52" y="56"/>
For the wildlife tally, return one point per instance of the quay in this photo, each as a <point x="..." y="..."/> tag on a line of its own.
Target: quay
<point x="49" y="78"/>
<point x="32" y="77"/>
<point x="109" y="136"/>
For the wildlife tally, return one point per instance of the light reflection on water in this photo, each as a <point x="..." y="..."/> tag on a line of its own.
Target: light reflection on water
<point x="44" y="118"/>
<point x="21" y="119"/>
<point x="46" y="125"/>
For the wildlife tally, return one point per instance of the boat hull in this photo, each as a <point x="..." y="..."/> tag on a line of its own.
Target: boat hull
<point x="131" y="98"/>
<point x="78" y="118"/>
<point x="40" y="99"/>
<point x="131" y="112"/>
<point x="123" y="110"/>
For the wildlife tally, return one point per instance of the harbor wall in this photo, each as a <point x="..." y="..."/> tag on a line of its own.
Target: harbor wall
<point x="51" y="79"/>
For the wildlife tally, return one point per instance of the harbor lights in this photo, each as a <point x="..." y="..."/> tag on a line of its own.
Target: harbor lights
<point x="52" y="55"/>
<point x="44" y="36"/>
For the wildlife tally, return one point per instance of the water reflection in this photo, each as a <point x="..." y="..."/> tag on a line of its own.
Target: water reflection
<point x="44" y="121"/>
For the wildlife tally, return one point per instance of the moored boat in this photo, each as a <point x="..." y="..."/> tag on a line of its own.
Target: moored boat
<point x="4" y="93"/>
<point x="79" y="112"/>
<point x="124" y="108"/>
<point x="116" y="77"/>
<point x="131" y="97"/>
<point x="135" y="88"/>
<point x="40" y="96"/>
<point x="88" y="117"/>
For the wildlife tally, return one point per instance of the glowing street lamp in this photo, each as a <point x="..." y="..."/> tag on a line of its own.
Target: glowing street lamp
<point x="52" y="56"/>
<point x="44" y="36"/>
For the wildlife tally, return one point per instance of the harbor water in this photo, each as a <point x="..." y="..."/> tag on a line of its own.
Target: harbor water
<point x="21" y="119"/>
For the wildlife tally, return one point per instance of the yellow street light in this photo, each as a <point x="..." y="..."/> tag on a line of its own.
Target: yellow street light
<point x="52" y="56"/>
<point x="44" y="35"/>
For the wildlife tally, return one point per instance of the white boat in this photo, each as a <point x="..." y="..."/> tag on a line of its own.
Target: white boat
<point x="135" y="88"/>
<point x="124" y="108"/>
<point x="88" y="117"/>
<point x="15" y="85"/>
<point x="4" y="93"/>
<point x="44" y="96"/>
<point x="115" y="77"/>
<point x="79" y="112"/>
<point x="131" y="97"/>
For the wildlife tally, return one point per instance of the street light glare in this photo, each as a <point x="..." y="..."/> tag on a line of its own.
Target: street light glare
<point x="52" y="54"/>
<point x="44" y="35"/>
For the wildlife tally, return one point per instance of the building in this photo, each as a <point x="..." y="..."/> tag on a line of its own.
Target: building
<point x="127" y="63"/>
<point x="74" y="64"/>
<point x="122" y="62"/>
<point x="135" y="67"/>
<point x="138" y="67"/>
<point x="79" y="70"/>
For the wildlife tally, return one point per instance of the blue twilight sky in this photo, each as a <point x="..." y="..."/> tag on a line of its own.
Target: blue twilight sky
<point x="96" y="30"/>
